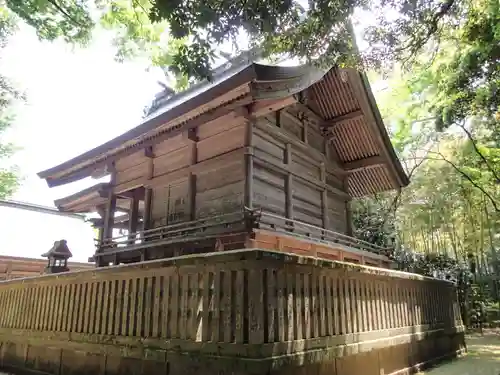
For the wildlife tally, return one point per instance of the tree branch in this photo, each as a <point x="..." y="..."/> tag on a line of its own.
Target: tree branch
<point x="480" y="154"/>
<point x="468" y="178"/>
<point x="65" y="13"/>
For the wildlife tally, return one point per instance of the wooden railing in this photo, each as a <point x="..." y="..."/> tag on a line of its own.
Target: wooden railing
<point x="242" y="221"/>
<point x="185" y="231"/>
<point x="303" y="230"/>
<point x="234" y="297"/>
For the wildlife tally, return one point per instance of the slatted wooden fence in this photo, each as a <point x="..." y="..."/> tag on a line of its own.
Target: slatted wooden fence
<point x="241" y="305"/>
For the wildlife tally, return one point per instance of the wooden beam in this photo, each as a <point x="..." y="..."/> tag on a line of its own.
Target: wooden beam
<point x="309" y="113"/>
<point x="344" y="118"/>
<point x="370" y="162"/>
<point x="264" y="107"/>
<point x="61" y="178"/>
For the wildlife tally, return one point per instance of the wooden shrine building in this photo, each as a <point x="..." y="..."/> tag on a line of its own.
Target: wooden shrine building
<point x="251" y="175"/>
<point x="262" y="157"/>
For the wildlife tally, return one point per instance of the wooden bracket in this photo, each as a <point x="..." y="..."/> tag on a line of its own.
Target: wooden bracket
<point x="148" y="152"/>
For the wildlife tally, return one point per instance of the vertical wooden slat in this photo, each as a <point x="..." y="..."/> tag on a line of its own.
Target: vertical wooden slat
<point x="34" y="315"/>
<point x="65" y="308"/>
<point x="166" y="317"/>
<point x="91" y="318"/>
<point x="330" y="323"/>
<point x="239" y="306"/>
<point x="148" y="306"/>
<point x="406" y="311"/>
<point x="388" y="306"/>
<point x="347" y="304"/>
<point x="281" y="296"/>
<point x="198" y="304"/>
<point x="156" y="329"/>
<point x="105" y="310"/>
<point x="17" y="303"/>
<point x="184" y="286"/>
<point x="323" y="296"/>
<point x="299" y="296"/>
<point x="140" y="311"/>
<point x="395" y="311"/>
<point x="336" y="308"/>
<point x="364" y="302"/>
<point x="354" y="305"/>
<point x="55" y="308"/>
<point x="125" y="314"/>
<point x="216" y="307"/>
<point x="378" y="296"/>
<point x="133" y="308"/>
<point x="370" y="298"/>
<point x="206" y="333"/>
<point x="306" y="332"/>
<point x="43" y="306"/>
<point x="256" y="307"/>
<point x="359" y="306"/>
<point x="116" y="306"/>
<point x="49" y="308"/>
<point x="226" y="302"/>
<point x="28" y="307"/>
<point x="292" y="323"/>
<point x="70" y="307"/>
<point x="174" y="312"/>
<point x="88" y="303"/>
<point x="99" y="307"/>
<point x="314" y="305"/>
<point x="383" y="300"/>
<point x="271" y="303"/>
<point x="78" y="307"/>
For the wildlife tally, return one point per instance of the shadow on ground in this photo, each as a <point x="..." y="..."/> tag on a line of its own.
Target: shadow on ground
<point x="483" y="357"/>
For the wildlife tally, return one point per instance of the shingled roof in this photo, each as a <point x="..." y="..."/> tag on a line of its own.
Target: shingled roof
<point x="341" y="99"/>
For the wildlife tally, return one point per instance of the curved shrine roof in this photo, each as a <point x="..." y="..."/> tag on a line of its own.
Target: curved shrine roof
<point x="341" y="100"/>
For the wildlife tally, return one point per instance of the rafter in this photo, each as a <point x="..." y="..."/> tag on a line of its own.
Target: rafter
<point x="365" y="163"/>
<point x="354" y="115"/>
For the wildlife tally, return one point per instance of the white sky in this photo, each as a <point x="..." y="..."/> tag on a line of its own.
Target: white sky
<point x="76" y="100"/>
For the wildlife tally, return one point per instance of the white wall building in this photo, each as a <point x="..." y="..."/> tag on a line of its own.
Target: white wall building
<point x="29" y="230"/>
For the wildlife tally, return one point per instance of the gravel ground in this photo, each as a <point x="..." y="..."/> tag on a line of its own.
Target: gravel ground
<point x="483" y="357"/>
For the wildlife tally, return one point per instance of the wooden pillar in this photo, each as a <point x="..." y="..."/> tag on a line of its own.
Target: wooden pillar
<point x="348" y="212"/>
<point x="288" y="182"/>
<point x="148" y="195"/>
<point x="324" y="197"/>
<point x="109" y="221"/>
<point x="109" y="218"/>
<point x="289" y="186"/>
<point x="249" y="163"/>
<point x="192" y="135"/>
<point x="133" y="219"/>
<point x="148" y="192"/>
<point x="100" y="235"/>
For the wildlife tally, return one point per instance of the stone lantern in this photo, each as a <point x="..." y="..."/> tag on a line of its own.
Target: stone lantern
<point x="58" y="257"/>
